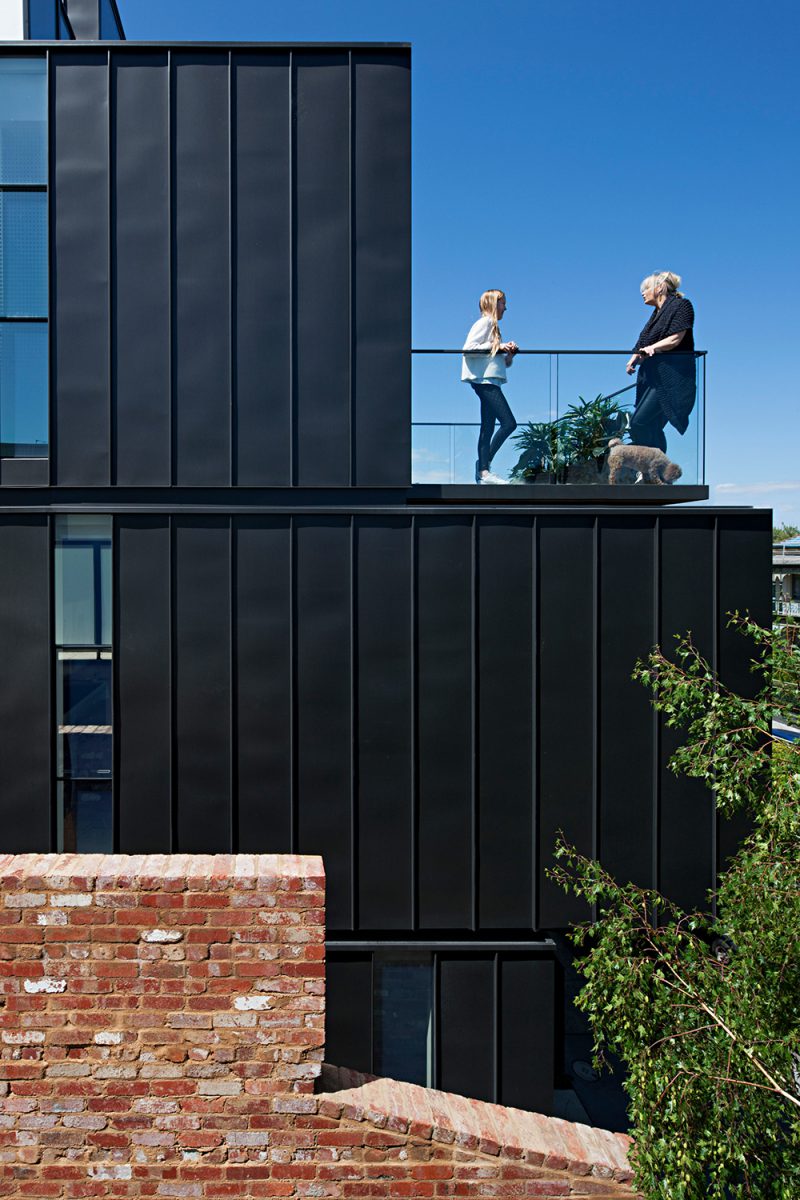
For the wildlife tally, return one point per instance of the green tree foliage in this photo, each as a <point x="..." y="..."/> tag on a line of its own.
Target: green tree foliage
<point x="705" y="1010"/>
<point x="781" y="533"/>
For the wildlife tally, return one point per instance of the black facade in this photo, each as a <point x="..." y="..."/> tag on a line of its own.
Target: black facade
<point x="306" y="654"/>
<point x="229" y="267"/>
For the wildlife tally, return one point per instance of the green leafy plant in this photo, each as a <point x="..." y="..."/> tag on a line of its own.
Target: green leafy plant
<point x="581" y="435"/>
<point x="540" y="448"/>
<point x="589" y="425"/>
<point x="782" y="533"/>
<point x="703" y="1011"/>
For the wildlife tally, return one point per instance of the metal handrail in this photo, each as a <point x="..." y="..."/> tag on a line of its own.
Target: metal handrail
<point x="696" y="353"/>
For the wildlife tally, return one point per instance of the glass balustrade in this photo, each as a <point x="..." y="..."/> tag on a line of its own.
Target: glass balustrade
<point x="568" y="406"/>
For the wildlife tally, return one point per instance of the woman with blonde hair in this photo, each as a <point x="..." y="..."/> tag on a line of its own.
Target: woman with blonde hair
<point x="666" y="386"/>
<point x="484" y="364"/>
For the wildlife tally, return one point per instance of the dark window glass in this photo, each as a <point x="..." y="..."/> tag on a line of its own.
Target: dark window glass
<point x="403" y="1016"/>
<point x="23" y="254"/>
<point x="42" y="19"/>
<point x="86" y="688"/>
<point x="23" y="391"/>
<point x="796" y="587"/>
<point x="84" y="681"/>
<point x="87" y="817"/>
<point x="23" y="120"/>
<point x="84" y="714"/>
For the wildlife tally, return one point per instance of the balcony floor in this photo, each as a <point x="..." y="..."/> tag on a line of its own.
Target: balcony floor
<point x="549" y="493"/>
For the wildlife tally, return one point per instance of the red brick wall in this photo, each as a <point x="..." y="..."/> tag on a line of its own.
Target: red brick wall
<point x="153" y="1007"/>
<point x="161" y="1032"/>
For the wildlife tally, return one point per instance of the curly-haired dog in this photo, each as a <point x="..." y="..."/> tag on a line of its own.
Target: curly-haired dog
<point x="639" y="464"/>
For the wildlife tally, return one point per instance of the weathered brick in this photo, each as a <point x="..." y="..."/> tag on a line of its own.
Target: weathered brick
<point x="163" y="1032"/>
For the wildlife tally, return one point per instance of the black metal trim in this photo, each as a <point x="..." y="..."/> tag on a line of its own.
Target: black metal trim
<point x="148" y="46"/>
<point x="381" y="943"/>
<point x="696" y="353"/>
<point x="569" y="494"/>
<point x="36" y="498"/>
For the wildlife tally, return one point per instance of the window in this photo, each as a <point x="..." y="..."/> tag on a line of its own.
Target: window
<point x="23" y="258"/>
<point x="403" y="1007"/>
<point x="84" y="683"/>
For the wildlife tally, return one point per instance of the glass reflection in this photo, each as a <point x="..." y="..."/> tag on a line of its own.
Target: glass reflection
<point x="84" y="681"/>
<point x="23" y="120"/>
<point x="83" y="581"/>
<point x="23" y="254"/>
<point x="23" y="391"/>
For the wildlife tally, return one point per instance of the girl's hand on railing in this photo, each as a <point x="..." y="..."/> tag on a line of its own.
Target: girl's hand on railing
<point x="509" y="348"/>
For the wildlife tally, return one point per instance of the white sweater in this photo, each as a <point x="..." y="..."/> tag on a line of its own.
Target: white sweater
<point x="482" y="368"/>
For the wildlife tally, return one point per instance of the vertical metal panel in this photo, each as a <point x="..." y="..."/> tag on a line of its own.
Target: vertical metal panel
<point x="745" y="550"/>
<point x="84" y="17"/>
<point x="140" y="267"/>
<point x="686" y="809"/>
<point x="382" y="275"/>
<point x="323" y="699"/>
<point x="526" y="1045"/>
<point x="444" y="722"/>
<point x="262" y="264"/>
<point x="744" y="584"/>
<point x="263" y="693"/>
<point x="25" y="652"/>
<point x="384" y="767"/>
<point x="202" y="691"/>
<point x="142" y="716"/>
<point x="348" y="1011"/>
<point x="201" y="345"/>
<point x="565" y="701"/>
<point x="626" y="632"/>
<point x="466" y="1044"/>
<point x="322" y="280"/>
<point x="505" y="722"/>
<point x="80" y="278"/>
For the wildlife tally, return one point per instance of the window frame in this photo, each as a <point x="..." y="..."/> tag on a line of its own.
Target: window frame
<point x="34" y="320"/>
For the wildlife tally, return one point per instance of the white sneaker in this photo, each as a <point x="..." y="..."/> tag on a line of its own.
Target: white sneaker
<point x="490" y="478"/>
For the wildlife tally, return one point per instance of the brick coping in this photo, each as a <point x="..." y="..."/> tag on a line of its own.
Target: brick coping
<point x="474" y="1124"/>
<point x="151" y="871"/>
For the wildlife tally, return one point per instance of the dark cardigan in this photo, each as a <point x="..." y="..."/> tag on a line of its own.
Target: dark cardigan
<point x="670" y="373"/>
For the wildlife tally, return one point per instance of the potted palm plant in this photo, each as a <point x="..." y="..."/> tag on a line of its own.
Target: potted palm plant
<point x="574" y="447"/>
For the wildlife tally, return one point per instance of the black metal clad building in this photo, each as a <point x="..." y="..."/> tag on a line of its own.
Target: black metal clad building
<point x="305" y="658"/>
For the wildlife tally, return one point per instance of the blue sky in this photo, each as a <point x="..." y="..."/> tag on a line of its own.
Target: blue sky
<point x="563" y="150"/>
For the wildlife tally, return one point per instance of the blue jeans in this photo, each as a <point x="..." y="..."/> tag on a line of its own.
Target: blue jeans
<point x="494" y="408"/>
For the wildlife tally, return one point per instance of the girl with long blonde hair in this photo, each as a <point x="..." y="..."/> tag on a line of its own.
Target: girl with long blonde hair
<point x="486" y="358"/>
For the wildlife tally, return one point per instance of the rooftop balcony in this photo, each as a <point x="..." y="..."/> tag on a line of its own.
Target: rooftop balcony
<point x="568" y="405"/>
